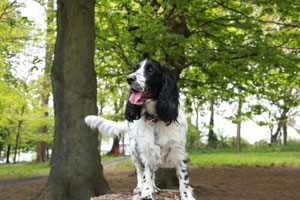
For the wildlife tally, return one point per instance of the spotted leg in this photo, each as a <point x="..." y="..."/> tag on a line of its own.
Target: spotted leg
<point x="156" y="189"/>
<point x="148" y="189"/>
<point x="139" y="172"/>
<point x="186" y="191"/>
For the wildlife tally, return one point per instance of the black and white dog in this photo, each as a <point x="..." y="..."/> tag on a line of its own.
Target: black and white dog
<point x="156" y="126"/>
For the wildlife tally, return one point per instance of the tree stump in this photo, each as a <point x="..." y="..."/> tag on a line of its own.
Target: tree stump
<point x="164" y="195"/>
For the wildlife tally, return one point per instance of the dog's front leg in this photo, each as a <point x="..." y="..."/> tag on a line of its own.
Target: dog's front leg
<point x="186" y="191"/>
<point x="139" y="172"/>
<point x="148" y="189"/>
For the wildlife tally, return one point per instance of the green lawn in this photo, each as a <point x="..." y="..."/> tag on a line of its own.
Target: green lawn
<point x="247" y="158"/>
<point x="107" y="158"/>
<point x="32" y="169"/>
<point x="252" y="156"/>
<point x="289" y="155"/>
<point x="275" y="155"/>
<point x="23" y="170"/>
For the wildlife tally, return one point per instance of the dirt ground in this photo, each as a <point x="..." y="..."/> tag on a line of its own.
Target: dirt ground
<point x="210" y="183"/>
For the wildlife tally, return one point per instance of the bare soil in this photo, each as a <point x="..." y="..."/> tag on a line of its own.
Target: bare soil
<point x="210" y="183"/>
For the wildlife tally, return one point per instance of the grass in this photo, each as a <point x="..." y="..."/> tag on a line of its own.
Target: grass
<point x="283" y="156"/>
<point x="234" y="159"/>
<point x="23" y="170"/>
<point x="275" y="155"/>
<point x="124" y="164"/>
<point x="107" y="158"/>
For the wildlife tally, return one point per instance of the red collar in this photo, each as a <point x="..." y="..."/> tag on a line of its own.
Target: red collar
<point x="152" y="117"/>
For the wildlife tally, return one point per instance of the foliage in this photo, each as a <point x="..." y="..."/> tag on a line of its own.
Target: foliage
<point x="36" y="118"/>
<point x="191" y="136"/>
<point x="226" y="50"/>
<point x="14" y="31"/>
<point x="20" y="105"/>
<point x="218" y="49"/>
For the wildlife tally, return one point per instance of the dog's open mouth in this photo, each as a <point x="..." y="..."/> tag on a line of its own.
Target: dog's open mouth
<point x="137" y="96"/>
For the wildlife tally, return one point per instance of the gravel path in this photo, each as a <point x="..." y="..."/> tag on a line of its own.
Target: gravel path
<point x="14" y="181"/>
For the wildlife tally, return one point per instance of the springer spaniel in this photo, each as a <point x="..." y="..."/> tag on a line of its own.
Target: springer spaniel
<point x="156" y="127"/>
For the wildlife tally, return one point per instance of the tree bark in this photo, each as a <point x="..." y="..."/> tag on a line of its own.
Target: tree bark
<point x="239" y="125"/>
<point x="238" y="137"/>
<point x="76" y="171"/>
<point x="196" y="107"/>
<point x="116" y="144"/>
<point x="212" y="139"/>
<point x="168" y="179"/>
<point x="274" y="137"/>
<point x="284" y="143"/>
<point x="8" y="153"/>
<point x="18" y="135"/>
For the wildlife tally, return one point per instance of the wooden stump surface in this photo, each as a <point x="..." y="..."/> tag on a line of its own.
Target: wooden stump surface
<point x="165" y="195"/>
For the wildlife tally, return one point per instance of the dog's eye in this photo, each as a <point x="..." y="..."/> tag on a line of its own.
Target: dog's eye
<point x="150" y="69"/>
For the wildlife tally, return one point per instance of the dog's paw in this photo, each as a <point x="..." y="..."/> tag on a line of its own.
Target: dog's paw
<point x="157" y="190"/>
<point x="185" y="198"/>
<point x="137" y="190"/>
<point x="186" y="195"/>
<point x="148" y="197"/>
<point x="147" y="193"/>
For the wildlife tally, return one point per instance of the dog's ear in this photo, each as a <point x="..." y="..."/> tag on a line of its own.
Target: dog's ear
<point x="168" y="99"/>
<point x="132" y="112"/>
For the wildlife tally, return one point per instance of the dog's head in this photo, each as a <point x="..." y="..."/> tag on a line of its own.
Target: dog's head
<point x="152" y="81"/>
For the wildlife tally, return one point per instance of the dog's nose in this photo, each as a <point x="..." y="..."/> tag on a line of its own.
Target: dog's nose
<point x="131" y="79"/>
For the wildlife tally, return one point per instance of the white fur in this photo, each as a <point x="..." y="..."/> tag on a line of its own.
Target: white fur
<point x="152" y="145"/>
<point x="140" y="75"/>
<point x="106" y="127"/>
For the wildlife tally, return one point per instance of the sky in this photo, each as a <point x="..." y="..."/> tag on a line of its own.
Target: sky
<point x="35" y="13"/>
<point x="250" y="130"/>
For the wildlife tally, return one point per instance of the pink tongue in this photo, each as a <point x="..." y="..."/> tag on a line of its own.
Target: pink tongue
<point x="135" y="97"/>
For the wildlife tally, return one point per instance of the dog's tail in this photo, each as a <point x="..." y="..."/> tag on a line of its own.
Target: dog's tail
<point x="106" y="127"/>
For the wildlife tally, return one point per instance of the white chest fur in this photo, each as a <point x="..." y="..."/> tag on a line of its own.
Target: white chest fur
<point x="157" y="141"/>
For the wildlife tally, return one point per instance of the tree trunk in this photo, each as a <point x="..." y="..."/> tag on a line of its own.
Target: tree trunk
<point x="238" y="137"/>
<point x="8" y="153"/>
<point x="212" y="139"/>
<point x="41" y="152"/>
<point x="18" y="135"/>
<point x="239" y="124"/>
<point x="197" y="125"/>
<point x="284" y="143"/>
<point x="168" y="177"/>
<point x="116" y="144"/>
<point x="41" y="145"/>
<point x="274" y="137"/>
<point x="76" y="171"/>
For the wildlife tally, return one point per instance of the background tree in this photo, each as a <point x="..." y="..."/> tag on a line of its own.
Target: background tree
<point x="227" y="41"/>
<point x="75" y="164"/>
<point x="281" y="90"/>
<point x="48" y="6"/>
<point x="15" y="31"/>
